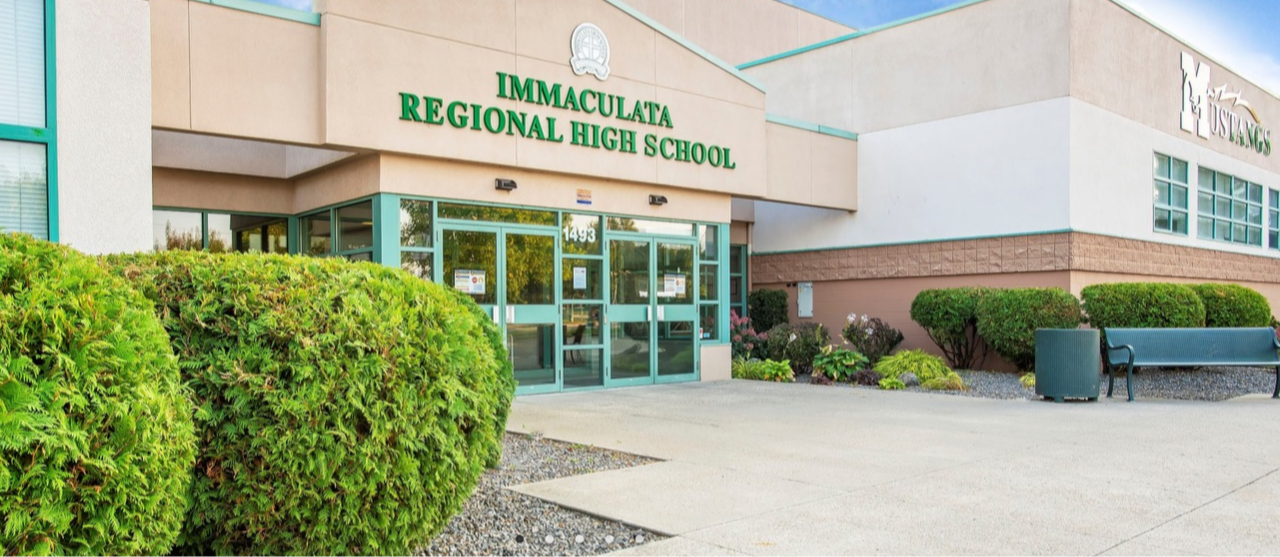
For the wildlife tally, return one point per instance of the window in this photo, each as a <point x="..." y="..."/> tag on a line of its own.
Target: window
<point x="1274" y="227"/>
<point x="738" y="280"/>
<point x="218" y="232"/>
<point x="1229" y="209"/>
<point x="26" y="131"/>
<point x="709" y="296"/>
<point x="417" y="255"/>
<point x="1170" y="213"/>
<point x="345" y="231"/>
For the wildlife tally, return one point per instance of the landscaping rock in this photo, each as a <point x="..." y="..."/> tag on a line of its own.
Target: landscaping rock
<point x="909" y="379"/>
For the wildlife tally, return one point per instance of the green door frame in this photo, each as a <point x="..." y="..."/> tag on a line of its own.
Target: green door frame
<point x="652" y="312"/>
<point x="512" y="314"/>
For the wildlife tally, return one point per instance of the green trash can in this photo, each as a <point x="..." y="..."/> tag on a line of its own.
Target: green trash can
<point x="1068" y="363"/>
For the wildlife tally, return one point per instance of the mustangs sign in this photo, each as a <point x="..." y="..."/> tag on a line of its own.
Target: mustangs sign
<point x="1208" y="111"/>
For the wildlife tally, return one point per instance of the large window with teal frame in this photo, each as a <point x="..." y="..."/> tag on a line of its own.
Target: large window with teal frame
<point x="738" y="280"/>
<point x="1230" y="209"/>
<point x="219" y="232"/>
<point x="346" y="230"/>
<point x="28" y="138"/>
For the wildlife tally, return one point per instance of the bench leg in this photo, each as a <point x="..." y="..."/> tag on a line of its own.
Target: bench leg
<point x="1129" y="381"/>
<point x="1111" y="380"/>
<point x="1277" y="393"/>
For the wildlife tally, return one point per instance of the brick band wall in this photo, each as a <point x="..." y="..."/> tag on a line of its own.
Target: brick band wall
<point x="1073" y="251"/>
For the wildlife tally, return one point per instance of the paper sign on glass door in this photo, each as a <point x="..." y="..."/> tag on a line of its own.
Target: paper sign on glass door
<point x="579" y="278"/>
<point x="469" y="281"/>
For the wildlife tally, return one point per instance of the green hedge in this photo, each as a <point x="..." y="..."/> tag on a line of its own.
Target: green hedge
<point x="1008" y="319"/>
<point x="950" y="317"/>
<point x="767" y="308"/>
<point x="1232" y="305"/>
<point x="96" y="437"/>
<point x="1142" y="305"/>
<point x="348" y="408"/>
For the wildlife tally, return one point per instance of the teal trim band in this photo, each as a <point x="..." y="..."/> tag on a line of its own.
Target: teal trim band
<point x="25" y="134"/>
<point x="1186" y="43"/>
<point x="260" y="8"/>
<point x="857" y="34"/>
<point x="836" y="132"/>
<point x="51" y="118"/>
<point x="916" y="242"/>
<point x="685" y="43"/>
<point x="386" y="235"/>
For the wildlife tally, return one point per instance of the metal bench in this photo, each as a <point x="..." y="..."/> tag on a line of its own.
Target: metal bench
<point x="1138" y="348"/>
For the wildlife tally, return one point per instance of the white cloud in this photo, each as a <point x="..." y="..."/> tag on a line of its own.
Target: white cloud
<point x="1202" y="27"/>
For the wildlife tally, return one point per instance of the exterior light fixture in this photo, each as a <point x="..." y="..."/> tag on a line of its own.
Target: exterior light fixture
<point x="504" y="185"/>
<point x="657" y="200"/>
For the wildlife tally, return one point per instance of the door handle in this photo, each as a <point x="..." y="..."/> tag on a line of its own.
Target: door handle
<point x="494" y="314"/>
<point x="648" y="313"/>
<point x="662" y="313"/>
<point x="511" y="314"/>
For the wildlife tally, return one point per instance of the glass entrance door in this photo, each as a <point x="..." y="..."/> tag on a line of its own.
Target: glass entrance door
<point x="652" y="318"/>
<point x="510" y="273"/>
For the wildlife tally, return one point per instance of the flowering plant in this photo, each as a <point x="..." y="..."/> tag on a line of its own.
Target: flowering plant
<point x="870" y="336"/>
<point x="747" y="343"/>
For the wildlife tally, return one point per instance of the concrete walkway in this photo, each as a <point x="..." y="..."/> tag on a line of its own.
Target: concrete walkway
<point x="761" y="468"/>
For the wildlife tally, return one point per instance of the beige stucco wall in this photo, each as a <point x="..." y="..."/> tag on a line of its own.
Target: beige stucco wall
<point x="189" y="189"/>
<point x="742" y="30"/>
<point x="811" y="168"/>
<point x="979" y="57"/>
<point x="1144" y="83"/>
<point x="230" y="72"/>
<point x="375" y="50"/>
<point x="104" y="125"/>
<point x="715" y="362"/>
<point x="464" y="181"/>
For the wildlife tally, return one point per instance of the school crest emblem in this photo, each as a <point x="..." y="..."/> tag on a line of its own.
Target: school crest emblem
<point x="590" y="51"/>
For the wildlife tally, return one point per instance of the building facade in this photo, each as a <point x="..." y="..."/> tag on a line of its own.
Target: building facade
<point x="609" y="179"/>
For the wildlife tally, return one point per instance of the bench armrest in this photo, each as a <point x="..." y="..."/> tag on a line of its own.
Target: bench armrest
<point x="1276" y="340"/>
<point x="1127" y="347"/>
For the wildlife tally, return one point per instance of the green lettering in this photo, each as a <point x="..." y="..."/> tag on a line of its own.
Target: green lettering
<point x="609" y="138"/>
<point x="627" y="141"/>
<point x="571" y="101"/>
<point x="455" y="119"/>
<point x="665" y="118"/>
<point x="409" y="107"/>
<point x="489" y="124"/>
<point x="582" y="100"/>
<point x="551" y="132"/>
<point x="663" y="147"/>
<point x="637" y="114"/>
<point x="432" y="115"/>
<point x="652" y="106"/>
<point x="682" y="150"/>
<point x="606" y="101"/>
<point x="476" y="111"/>
<point x="549" y="96"/>
<point x="516" y="121"/>
<point x="728" y="160"/>
<point x="579" y="130"/>
<point x="714" y="156"/>
<point x="650" y="145"/>
<point x="522" y="91"/>
<point x="698" y="153"/>
<point x="502" y="85"/>
<point x="535" y="128"/>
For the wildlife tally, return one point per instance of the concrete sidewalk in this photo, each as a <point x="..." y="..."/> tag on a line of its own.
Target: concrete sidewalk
<point x="762" y="468"/>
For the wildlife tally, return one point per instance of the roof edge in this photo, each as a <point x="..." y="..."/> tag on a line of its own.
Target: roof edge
<point x="683" y="42"/>
<point x="270" y="10"/>
<point x="801" y="124"/>
<point x="856" y="34"/>
<point x="1188" y="44"/>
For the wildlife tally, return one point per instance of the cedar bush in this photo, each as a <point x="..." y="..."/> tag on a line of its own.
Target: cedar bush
<point x="767" y="308"/>
<point x="96" y="435"/>
<point x="926" y="367"/>
<point x="1149" y="305"/>
<point x="1232" y="305"/>
<point x="950" y="317"/>
<point x="349" y="408"/>
<point x="1008" y="319"/>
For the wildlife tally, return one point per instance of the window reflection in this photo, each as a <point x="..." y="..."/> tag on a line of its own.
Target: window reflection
<point x="176" y="230"/>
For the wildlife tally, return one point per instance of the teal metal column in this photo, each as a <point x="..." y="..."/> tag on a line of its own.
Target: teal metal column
<point x="386" y="229"/>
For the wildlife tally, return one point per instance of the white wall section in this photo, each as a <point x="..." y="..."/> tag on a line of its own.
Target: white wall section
<point x="104" y="124"/>
<point x="1000" y="172"/>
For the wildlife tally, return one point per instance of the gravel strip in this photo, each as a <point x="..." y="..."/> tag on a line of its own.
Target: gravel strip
<point x="497" y="521"/>
<point x="1211" y="384"/>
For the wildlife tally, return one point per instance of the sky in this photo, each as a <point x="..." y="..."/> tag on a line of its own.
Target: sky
<point x="1237" y="33"/>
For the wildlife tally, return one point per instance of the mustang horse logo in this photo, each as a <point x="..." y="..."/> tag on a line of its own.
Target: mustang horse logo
<point x="590" y="51"/>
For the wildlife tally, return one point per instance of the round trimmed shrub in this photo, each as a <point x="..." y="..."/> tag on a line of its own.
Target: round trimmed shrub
<point x="1144" y="305"/>
<point x="96" y="437"/>
<point x="1008" y="319"/>
<point x="1232" y="305"/>
<point x="348" y="408"/>
<point x="950" y="317"/>
<point x="767" y="308"/>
